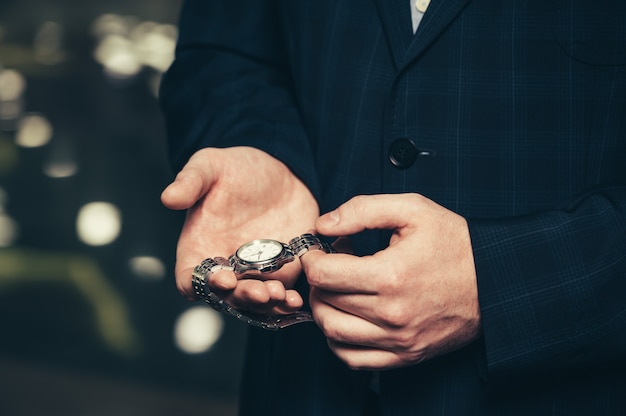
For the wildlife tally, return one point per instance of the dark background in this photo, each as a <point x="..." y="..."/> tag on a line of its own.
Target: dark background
<point x="57" y="357"/>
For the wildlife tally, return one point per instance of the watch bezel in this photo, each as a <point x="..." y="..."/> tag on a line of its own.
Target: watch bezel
<point x="269" y="265"/>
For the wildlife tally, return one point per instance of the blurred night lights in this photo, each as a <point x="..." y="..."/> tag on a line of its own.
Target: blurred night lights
<point x="126" y="45"/>
<point x="9" y="229"/>
<point x="98" y="223"/>
<point x="60" y="169"/>
<point x="34" y="130"/>
<point x="147" y="267"/>
<point x="197" y="329"/>
<point x="48" y="44"/>
<point x="12" y="85"/>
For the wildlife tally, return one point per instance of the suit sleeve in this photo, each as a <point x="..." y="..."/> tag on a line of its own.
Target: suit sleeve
<point x="552" y="287"/>
<point x="229" y="86"/>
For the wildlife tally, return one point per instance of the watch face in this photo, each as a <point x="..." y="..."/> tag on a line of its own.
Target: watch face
<point x="258" y="251"/>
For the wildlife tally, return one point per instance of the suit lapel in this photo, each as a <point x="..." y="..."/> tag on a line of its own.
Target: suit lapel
<point x="439" y="15"/>
<point x="395" y="16"/>
<point x="396" y="21"/>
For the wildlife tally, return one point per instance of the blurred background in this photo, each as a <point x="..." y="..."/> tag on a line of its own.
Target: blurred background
<point x="90" y="320"/>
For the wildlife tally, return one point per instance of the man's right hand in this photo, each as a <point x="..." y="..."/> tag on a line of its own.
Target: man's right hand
<point x="232" y="196"/>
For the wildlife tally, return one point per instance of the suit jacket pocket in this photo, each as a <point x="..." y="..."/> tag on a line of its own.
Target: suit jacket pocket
<point x="593" y="31"/>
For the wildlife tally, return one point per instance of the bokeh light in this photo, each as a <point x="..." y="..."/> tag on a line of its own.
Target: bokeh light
<point x="34" y="130"/>
<point x="155" y="44"/>
<point x="12" y="88"/>
<point x="197" y="329"/>
<point x="48" y="44"/>
<point x="60" y="169"/>
<point x="126" y="45"/>
<point x="117" y="56"/>
<point x="147" y="267"/>
<point x="98" y="223"/>
<point x="12" y="84"/>
<point x="9" y="229"/>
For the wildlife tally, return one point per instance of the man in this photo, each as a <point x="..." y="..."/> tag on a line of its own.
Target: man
<point x="473" y="171"/>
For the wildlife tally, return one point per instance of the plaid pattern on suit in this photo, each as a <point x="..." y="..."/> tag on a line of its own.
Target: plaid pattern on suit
<point x="518" y="112"/>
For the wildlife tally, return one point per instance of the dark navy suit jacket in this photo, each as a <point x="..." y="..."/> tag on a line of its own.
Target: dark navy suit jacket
<point x="513" y="114"/>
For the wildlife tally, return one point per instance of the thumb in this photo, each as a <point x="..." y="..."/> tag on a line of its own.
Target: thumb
<point x="191" y="184"/>
<point x="364" y="212"/>
<point x="186" y="190"/>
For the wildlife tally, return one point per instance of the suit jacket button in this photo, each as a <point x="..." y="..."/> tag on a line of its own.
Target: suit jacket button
<point x="402" y="153"/>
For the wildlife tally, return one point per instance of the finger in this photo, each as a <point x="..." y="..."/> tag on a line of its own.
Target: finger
<point x="278" y="302"/>
<point x="292" y="303"/>
<point x="345" y="328"/>
<point x="368" y="212"/>
<point x="265" y="297"/>
<point x="287" y="300"/>
<point x="365" y="306"/>
<point x="365" y="358"/>
<point x="356" y="341"/>
<point x="276" y="291"/>
<point x="249" y="295"/>
<point x="293" y="300"/>
<point x="223" y="280"/>
<point x="343" y="272"/>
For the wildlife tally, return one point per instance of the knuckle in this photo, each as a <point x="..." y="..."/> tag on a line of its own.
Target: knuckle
<point x="355" y="206"/>
<point x="276" y="290"/>
<point x="313" y="275"/>
<point x="414" y="356"/>
<point x="391" y="281"/>
<point x="395" y="312"/>
<point x="405" y="342"/>
<point x="331" y="334"/>
<point x="252" y="291"/>
<point x="393" y="315"/>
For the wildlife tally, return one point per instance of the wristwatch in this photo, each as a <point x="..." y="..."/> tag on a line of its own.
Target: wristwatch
<point x="261" y="256"/>
<point x="266" y="255"/>
<point x="256" y="257"/>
